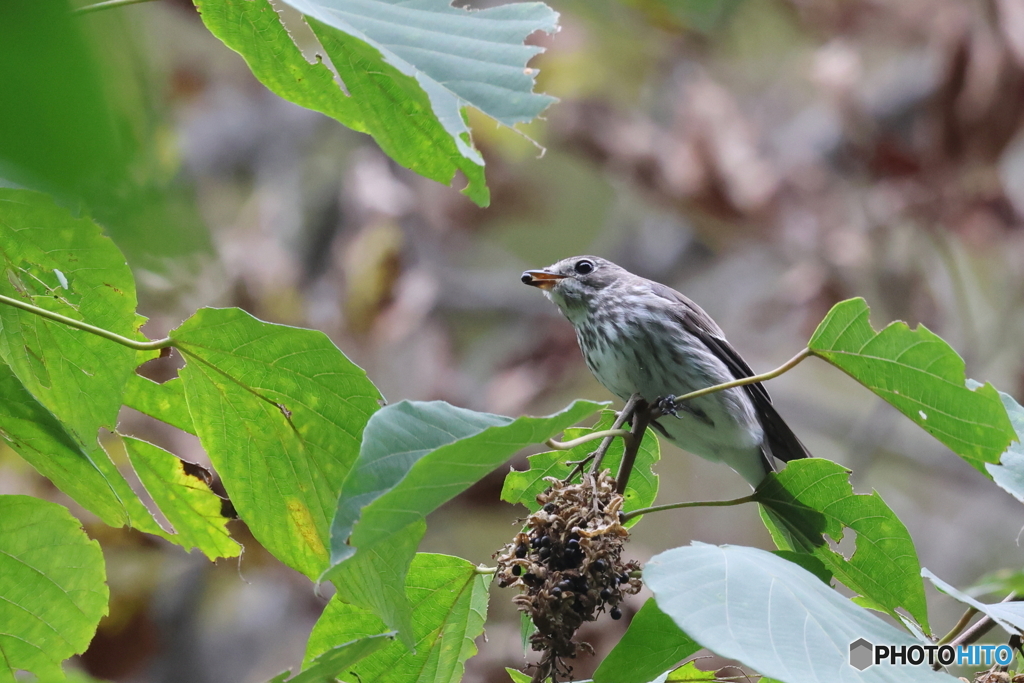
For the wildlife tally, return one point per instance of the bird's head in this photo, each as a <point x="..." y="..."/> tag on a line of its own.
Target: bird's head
<point x="575" y="284"/>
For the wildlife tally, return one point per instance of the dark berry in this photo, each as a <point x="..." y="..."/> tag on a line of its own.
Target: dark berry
<point x="624" y="578"/>
<point x="600" y="565"/>
<point x="535" y="542"/>
<point x="529" y="577"/>
<point x="550" y="507"/>
<point x="544" y="541"/>
<point x="517" y="570"/>
<point x="565" y="585"/>
<point x="521" y="551"/>
<point x="578" y="606"/>
<point x="580" y="584"/>
<point x="605" y="594"/>
<point x="574" y="536"/>
<point x="573" y="544"/>
<point x="544" y="553"/>
<point x="556" y="591"/>
<point x="616" y="613"/>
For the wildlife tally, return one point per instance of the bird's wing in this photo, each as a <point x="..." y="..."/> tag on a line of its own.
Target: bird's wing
<point x="780" y="439"/>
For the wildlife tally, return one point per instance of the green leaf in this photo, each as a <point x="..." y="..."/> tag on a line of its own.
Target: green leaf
<point x="382" y="101"/>
<point x="449" y="604"/>
<point x="813" y="497"/>
<point x="281" y="413"/>
<point x="921" y="375"/>
<point x="517" y="676"/>
<point x="771" y="615"/>
<point x="52" y="587"/>
<point x="37" y="436"/>
<point x="415" y="456"/>
<point x="58" y="364"/>
<point x="651" y="645"/>
<point x="164" y="402"/>
<point x="522" y="487"/>
<point x="689" y="673"/>
<point x="1009" y="615"/>
<point x="333" y="663"/>
<point x="184" y="497"/>
<point x="1009" y="473"/>
<point x="808" y="562"/>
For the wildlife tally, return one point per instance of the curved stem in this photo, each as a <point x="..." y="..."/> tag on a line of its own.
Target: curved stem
<point x="86" y="327"/>
<point x="695" y="504"/>
<point x="586" y="438"/>
<point x="107" y="4"/>
<point x="785" y="367"/>
<point x="959" y="627"/>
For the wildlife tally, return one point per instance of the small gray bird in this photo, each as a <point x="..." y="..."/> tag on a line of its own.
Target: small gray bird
<point x="641" y="336"/>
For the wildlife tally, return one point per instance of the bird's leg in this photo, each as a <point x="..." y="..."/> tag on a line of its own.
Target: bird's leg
<point x="642" y="416"/>
<point x="666" y="405"/>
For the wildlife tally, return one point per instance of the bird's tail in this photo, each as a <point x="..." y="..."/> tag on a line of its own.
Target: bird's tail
<point x="779" y="439"/>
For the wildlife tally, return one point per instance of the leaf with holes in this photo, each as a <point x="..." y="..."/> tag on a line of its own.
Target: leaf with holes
<point x="281" y="413"/>
<point x="921" y="375"/>
<point x="812" y="498"/>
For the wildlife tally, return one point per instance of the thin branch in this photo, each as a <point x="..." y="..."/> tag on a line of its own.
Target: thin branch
<point x="959" y="627"/>
<point x="86" y="327"/>
<point x="625" y="414"/>
<point x="785" y="367"/>
<point x="107" y="4"/>
<point x="980" y="628"/>
<point x="643" y="415"/>
<point x="695" y="504"/>
<point x="481" y="569"/>
<point x="586" y="438"/>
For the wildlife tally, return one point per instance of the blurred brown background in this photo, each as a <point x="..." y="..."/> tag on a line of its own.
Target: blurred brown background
<point x="768" y="158"/>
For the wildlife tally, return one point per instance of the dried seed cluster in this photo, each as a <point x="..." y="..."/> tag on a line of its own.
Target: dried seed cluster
<point x="568" y="567"/>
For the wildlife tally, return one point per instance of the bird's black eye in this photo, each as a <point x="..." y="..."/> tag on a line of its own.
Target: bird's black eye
<point x="583" y="267"/>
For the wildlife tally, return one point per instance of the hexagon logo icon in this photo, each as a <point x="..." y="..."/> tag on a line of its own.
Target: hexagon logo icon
<point x="861" y="652"/>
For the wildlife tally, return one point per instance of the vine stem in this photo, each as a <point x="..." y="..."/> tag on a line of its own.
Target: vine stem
<point x="86" y="327"/>
<point x="107" y="4"/>
<point x="695" y="504"/>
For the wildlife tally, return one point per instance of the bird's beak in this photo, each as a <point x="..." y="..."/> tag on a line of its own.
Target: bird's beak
<point x="541" y="279"/>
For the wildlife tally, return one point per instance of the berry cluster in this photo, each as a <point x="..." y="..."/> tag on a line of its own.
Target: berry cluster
<point x="567" y="564"/>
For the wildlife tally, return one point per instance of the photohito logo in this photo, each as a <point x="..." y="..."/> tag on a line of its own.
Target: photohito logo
<point x="864" y="654"/>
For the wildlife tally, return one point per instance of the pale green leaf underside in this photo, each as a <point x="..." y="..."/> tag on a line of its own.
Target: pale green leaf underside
<point x="773" y="616"/>
<point x="381" y="101"/>
<point x="52" y="587"/>
<point x="1009" y="615"/>
<point x="1009" y="473"/>
<point x="459" y="57"/>
<point x="921" y="375"/>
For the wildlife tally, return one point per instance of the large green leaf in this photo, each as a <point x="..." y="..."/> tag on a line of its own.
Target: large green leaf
<point x="773" y="616"/>
<point x="184" y="497"/>
<point x="381" y="100"/>
<point x="331" y="664"/>
<point x="651" y="646"/>
<point x="921" y="375"/>
<point x="811" y="498"/>
<point x="449" y="605"/>
<point x="52" y="587"/>
<point x="416" y="456"/>
<point x="642" y="489"/>
<point x="281" y="413"/>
